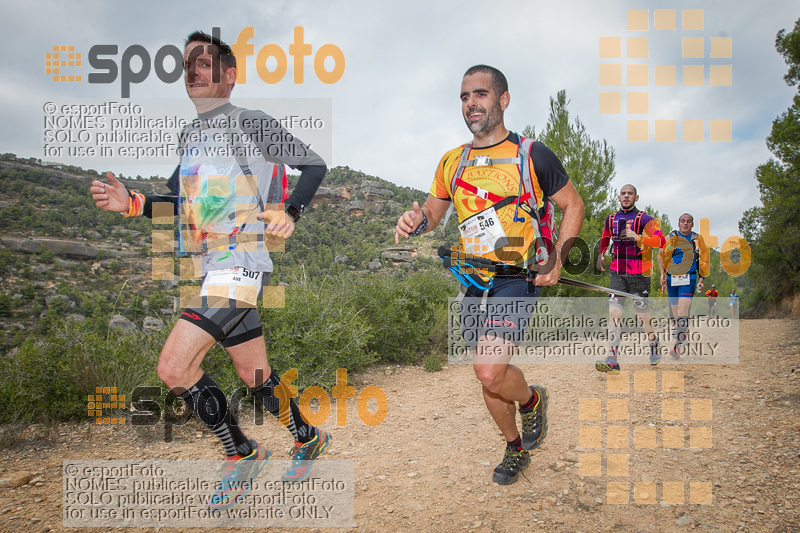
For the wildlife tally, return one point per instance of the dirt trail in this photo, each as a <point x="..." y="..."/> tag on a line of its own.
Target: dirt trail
<point x="428" y="466"/>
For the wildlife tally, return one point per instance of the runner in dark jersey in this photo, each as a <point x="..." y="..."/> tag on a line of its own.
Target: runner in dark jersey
<point x="629" y="232"/>
<point x="221" y="227"/>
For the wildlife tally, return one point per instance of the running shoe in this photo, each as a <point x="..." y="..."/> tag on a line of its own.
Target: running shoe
<point x="676" y="350"/>
<point x="609" y="365"/>
<point x="655" y="355"/>
<point x="304" y="454"/>
<point x="534" y="420"/>
<point x="514" y="461"/>
<point x="238" y="473"/>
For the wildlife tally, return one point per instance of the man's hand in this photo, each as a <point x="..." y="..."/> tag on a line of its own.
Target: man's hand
<point x="599" y="263"/>
<point x="663" y="282"/>
<point x="277" y="222"/>
<point x="700" y="284"/>
<point x="551" y="278"/>
<point x="408" y="222"/>
<point x="112" y="196"/>
<point x="628" y="235"/>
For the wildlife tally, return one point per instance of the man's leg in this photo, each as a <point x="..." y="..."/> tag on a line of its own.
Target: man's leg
<point x="647" y="324"/>
<point x="682" y="321"/>
<point x="492" y="331"/>
<point x="183" y="351"/>
<point x="250" y="359"/>
<point x="610" y="363"/>
<point x="502" y="385"/>
<point x="681" y="298"/>
<point x="179" y="369"/>
<point x="646" y="320"/>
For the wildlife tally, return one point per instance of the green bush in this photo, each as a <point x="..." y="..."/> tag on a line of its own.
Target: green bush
<point x="344" y="320"/>
<point x="50" y="380"/>
<point x="319" y="330"/>
<point x="432" y="362"/>
<point x="402" y="309"/>
<point x="46" y="255"/>
<point x="6" y="305"/>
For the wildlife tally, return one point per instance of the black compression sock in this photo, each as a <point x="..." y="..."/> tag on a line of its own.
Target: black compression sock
<point x="300" y="429"/>
<point x="208" y="402"/>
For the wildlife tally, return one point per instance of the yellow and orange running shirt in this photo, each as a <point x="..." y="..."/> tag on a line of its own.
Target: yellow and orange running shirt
<point x="503" y="180"/>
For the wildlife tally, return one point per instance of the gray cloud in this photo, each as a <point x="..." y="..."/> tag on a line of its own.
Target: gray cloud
<point x="396" y="109"/>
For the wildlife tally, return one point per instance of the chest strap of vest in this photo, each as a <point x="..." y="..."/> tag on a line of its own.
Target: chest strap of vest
<point x="488" y="195"/>
<point x="637" y="255"/>
<point x="486" y="161"/>
<point x="637" y="228"/>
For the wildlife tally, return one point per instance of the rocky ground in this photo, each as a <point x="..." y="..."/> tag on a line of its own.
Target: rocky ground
<point x="731" y="463"/>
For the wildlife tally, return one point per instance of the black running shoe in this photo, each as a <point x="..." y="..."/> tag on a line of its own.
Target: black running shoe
<point x="534" y="420"/>
<point x="513" y="463"/>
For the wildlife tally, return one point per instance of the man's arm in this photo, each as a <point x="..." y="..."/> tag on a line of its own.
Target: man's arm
<point x="114" y="196"/>
<point x="703" y="266"/>
<point x="652" y="235"/>
<point x="434" y="209"/>
<point x="279" y="146"/>
<point x="605" y="241"/>
<point x="279" y="223"/>
<point x="572" y="209"/>
<point x="174" y="185"/>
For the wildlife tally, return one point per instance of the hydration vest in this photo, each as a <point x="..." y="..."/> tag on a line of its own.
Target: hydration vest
<point x="542" y="219"/>
<point x="695" y="252"/>
<point x="637" y="227"/>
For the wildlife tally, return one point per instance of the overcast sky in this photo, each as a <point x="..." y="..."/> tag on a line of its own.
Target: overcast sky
<point x="396" y="108"/>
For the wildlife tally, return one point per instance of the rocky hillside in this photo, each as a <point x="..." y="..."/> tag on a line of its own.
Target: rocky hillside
<point x="61" y="257"/>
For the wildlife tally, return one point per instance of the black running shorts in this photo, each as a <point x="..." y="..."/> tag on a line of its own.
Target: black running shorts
<point x="228" y="320"/>
<point x="637" y="284"/>
<point x="507" y="313"/>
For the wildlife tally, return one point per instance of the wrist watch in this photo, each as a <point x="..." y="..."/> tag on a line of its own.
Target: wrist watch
<point x="293" y="211"/>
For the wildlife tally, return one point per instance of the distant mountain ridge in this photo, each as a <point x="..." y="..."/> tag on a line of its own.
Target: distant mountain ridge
<point x="55" y="241"/>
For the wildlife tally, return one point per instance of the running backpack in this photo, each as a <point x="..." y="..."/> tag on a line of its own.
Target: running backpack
<point x="637" y="227"/>
<point x="279" y="184"/>
<point x="542" y="219"/>
<point x="695" y="252"/>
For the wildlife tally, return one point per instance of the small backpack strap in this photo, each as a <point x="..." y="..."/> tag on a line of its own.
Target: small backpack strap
<point x="524" y="155"/>
<point x="462" y="164"/>
<point x="637" y="223"/>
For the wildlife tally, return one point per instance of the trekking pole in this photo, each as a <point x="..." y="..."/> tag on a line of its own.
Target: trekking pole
<point x="464" y="261"/>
